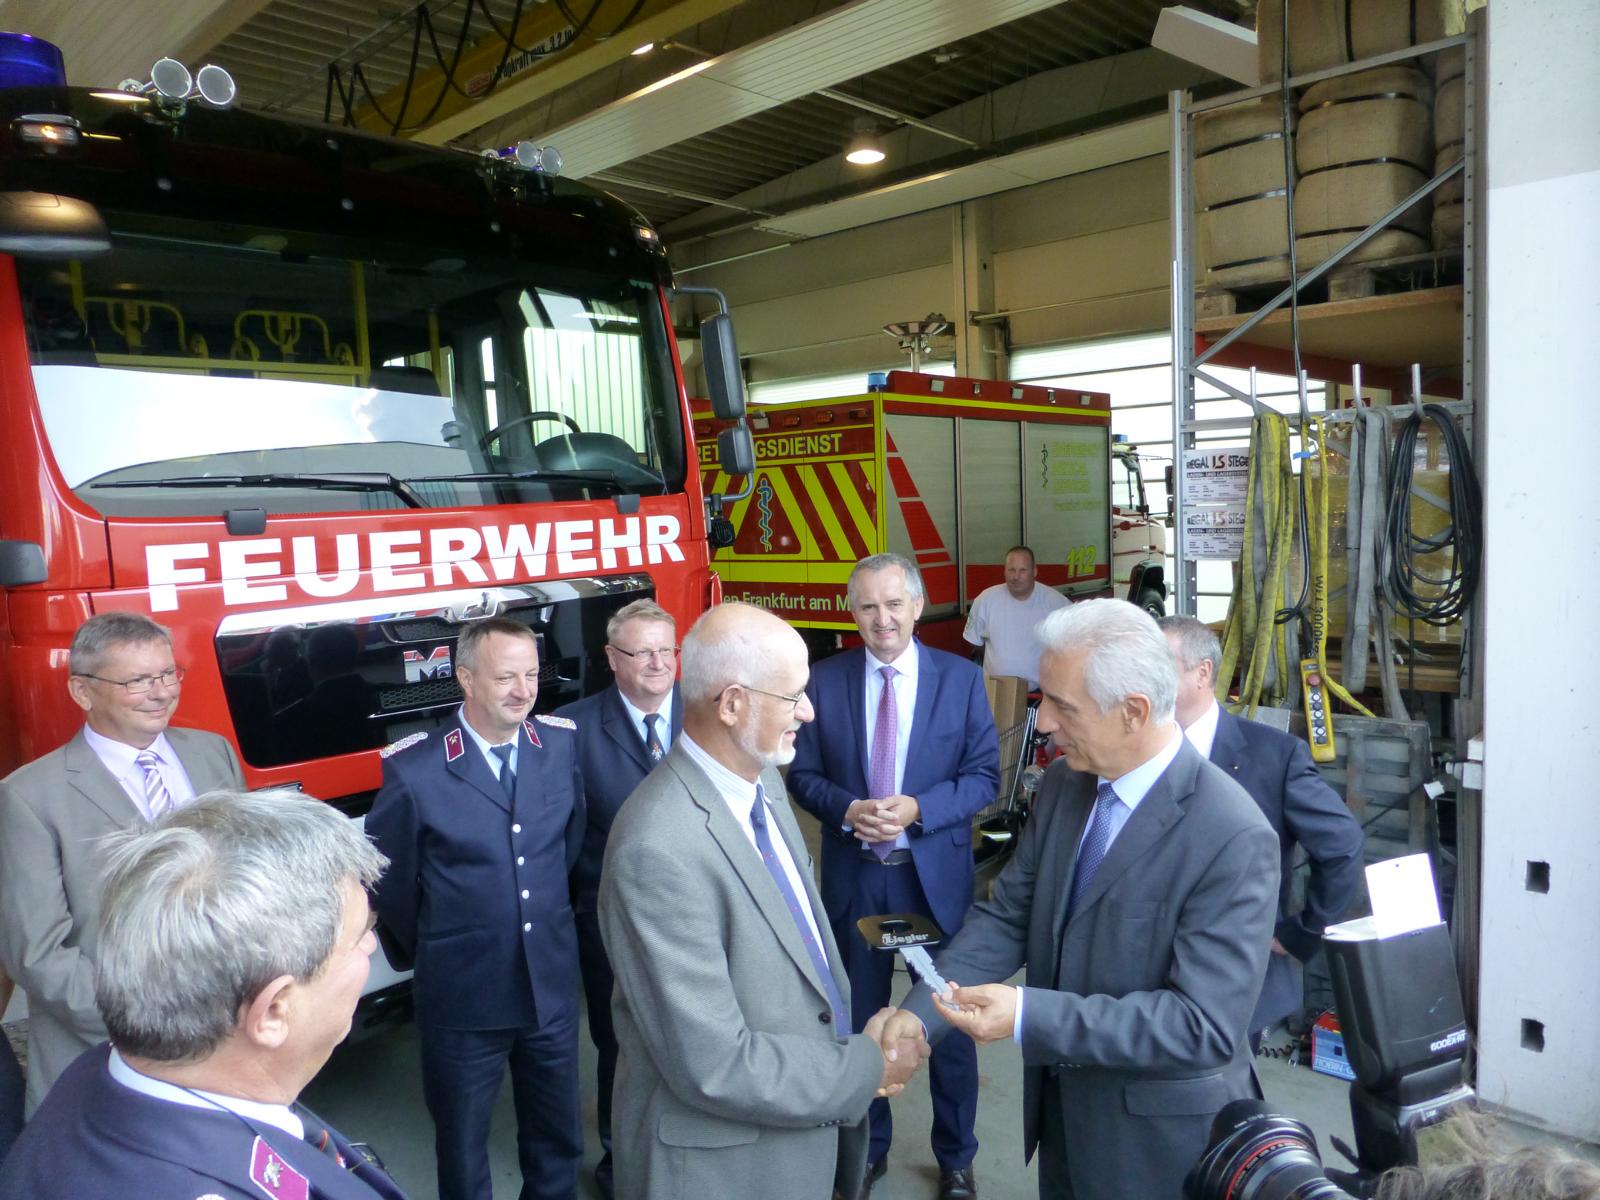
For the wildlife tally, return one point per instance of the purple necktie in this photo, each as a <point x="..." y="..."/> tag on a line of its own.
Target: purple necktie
<point x="884" y="736"/>
<point x="156" y="795"/>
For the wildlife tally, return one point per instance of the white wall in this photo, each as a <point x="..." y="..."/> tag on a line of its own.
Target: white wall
<point x="1541" y="952"/>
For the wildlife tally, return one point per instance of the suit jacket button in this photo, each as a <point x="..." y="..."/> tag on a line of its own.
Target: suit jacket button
<point x="524" y="893"/>
<point x="516" y="829"/>
<point x="519" y="860"/>
<point x="528" y="928"/>
<point x="825" y="1017"/>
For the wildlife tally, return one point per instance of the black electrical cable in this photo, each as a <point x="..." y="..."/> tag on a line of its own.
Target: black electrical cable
<point x="1297" y="610"/>
<point x="1409" y="590"/>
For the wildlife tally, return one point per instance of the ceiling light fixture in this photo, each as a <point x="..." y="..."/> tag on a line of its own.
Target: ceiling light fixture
<point x="644" y="49"/>
<point x="864" y="148"/>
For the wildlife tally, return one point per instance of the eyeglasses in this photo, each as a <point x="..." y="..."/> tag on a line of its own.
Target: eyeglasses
<point x="664" y="653"/>
<point x="794" y="701"/>
<point x="140" y="684"/>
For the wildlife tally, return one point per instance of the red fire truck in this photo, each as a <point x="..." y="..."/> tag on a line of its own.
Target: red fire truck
<point x="313" y="399"/>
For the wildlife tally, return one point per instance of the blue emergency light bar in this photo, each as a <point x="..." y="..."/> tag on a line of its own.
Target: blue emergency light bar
<point x="27" y="61"/>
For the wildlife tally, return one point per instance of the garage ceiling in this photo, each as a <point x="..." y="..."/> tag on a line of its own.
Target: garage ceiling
<point x="737" y="118"/>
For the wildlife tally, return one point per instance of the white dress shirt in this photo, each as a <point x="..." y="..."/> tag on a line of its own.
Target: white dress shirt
<point x="1131" y="789"/>
<point x="484" y="748"/>
<point x="739" y="794"/>
<point x="905" y="707"/>
<point x="1203" y="733"/>
<point x="277" y="1115"/>
<point x="120" y="759"/>
<point x="641" y="726"/>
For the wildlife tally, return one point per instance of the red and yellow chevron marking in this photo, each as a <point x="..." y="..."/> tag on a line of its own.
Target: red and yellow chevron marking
<point x="932" y="556"/>
<point x="830" y="507"/>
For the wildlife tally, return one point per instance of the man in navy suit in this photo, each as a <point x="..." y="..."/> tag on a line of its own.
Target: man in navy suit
<point x="901" y="755"/>
<point x="1277" y="771"/>
<point x="482" y="827"/>
<point x="623" y="732"/>
<point x="253" y="895"/>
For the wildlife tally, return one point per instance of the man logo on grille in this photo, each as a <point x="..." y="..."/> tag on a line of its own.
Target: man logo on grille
<point x="435" y="665"/>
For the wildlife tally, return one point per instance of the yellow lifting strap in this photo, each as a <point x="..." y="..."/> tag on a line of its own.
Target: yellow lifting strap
<point x="1250" y="635"/>
<point x="1317" y="512"/>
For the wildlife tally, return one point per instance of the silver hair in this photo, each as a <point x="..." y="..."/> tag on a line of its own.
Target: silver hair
<point x="639" y="610"/>
<point x="708" y="665"/>
<point x="211" y="903"/>
<point x="882" y="562"/>
<point x="478" y="632"/>
<point x="100" y="633"/>
<point x="1128" y="655"/>
<point x="1196" y="642"/>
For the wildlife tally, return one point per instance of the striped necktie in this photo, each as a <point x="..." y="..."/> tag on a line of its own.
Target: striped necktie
<point x="156" y="797"/>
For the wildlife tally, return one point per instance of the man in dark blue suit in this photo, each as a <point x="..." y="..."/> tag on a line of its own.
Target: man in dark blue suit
<point x="623" y="732"/>
<point x="1277" y="771"/>
<point x="901" y="755"/>
<point x="482" y="826"/>
<point x="255" y="895"/>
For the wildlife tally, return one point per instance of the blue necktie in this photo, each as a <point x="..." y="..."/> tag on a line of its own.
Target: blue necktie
<point x="508" y="777"/>
<point x="1095" y="844"/>
<point x="652" y="739"/>
<point x="819" y="960"/>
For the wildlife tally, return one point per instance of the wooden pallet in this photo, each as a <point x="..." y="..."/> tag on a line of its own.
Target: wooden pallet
<point x="1348" y="281"/>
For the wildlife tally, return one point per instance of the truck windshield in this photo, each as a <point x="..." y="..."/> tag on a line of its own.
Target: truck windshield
<point x="209" y="366"/>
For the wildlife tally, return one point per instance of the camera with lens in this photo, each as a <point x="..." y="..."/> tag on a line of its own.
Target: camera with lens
<point x="1405" y="1036"/>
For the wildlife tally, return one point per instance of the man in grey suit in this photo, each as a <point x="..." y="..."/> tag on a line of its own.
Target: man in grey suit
<point x="1141" y="900"/>
<point x="124" y="767"/>
<point x="738" y="1075"/>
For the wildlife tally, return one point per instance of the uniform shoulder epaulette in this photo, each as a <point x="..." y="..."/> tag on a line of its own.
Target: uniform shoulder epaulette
<point x="411" y="739"/>
<point x="558" y="722"/>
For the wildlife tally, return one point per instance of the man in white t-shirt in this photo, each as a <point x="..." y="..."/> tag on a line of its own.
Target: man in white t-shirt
<point x="1003" y="618"/>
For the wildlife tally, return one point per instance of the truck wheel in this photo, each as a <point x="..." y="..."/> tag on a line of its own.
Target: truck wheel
<point x="1153" y="602"/>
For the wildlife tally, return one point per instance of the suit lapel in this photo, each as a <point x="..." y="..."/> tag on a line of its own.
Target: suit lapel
<point x="1079" y="802"/>
<point x="89" y="776"/>
<point x="922" y="715"/>
<point x="855" y="686"/>
<point x="746" y="862"/>
<point x="1227" y="747"/>
<point x="620" y="728"/>
<point x="204" y="770"/>
<point x="469" y="767"/>
<point x="1156" y="813"/>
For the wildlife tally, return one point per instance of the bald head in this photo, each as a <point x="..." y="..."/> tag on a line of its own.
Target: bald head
<point x="741" y="667"/>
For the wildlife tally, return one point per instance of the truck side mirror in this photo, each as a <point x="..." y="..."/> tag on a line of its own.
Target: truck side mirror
<point x="1168" y="476"/>
<point x="21" y="563"/>
<point x="42" y="225"/>
<point x="736" y="450"/>
<point x="724" y="384"/>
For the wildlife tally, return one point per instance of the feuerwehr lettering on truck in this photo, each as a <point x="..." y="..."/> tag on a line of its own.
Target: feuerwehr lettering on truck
<point x="264" y="570"/>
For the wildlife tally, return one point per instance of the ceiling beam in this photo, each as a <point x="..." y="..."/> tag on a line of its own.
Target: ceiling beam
<point x="107" y="41"/>
<point x="820" y="53"/>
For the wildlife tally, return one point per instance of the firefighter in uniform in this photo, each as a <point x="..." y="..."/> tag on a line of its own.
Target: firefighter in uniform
<point x="482" y="823"/>
<point x="195" y="1096"/>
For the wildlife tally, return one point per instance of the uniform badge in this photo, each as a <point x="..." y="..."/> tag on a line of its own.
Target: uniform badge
<point x="556" y="722"/>
<point x="453" y="746"/>
<point x="411" y="739"/>
<point x="274" y="1176"/>
<point x="533" y="735"/>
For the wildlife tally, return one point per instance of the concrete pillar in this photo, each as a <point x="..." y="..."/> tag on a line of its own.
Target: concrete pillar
<point x="1539" y="1035"/>
<point x="980" y="349"/>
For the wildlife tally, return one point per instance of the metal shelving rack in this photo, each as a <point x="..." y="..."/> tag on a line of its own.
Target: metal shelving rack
<point x="1190" y="365"/>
